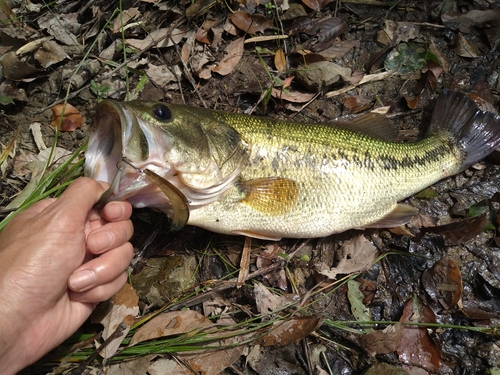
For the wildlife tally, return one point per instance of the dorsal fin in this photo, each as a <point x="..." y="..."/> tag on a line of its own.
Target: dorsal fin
<point x="373" y="124"/>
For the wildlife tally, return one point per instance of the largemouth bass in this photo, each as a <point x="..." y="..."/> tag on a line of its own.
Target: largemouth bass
<point x="265" y="178"/>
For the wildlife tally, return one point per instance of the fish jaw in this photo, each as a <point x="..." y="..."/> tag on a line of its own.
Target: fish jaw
<point x="119" y="150"/>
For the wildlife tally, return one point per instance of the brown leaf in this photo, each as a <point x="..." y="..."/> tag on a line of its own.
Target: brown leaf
<point x="170" y="323"/>
<point x="291" y="330"/>
<point x="356" y="104"/>
<point x="67" y="117"/>
<point x="280" y="60"/>
<point x="416" y="346"/>
<point x="443" y="283"/>
<point x="292" y="96"/>
<point x="316" y="4"/>
<point x="357" y="254"/>
<point x="203" y="37"/>
<point x="460" y="231"/>
<point x="250" y="23"/>
<point x="234" y="53"/>
<point x="124" y="308"/>
<point x="383" y="341"/>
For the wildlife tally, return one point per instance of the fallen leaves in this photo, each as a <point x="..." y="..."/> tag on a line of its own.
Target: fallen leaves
<point x="357" y="255"/>
<point x="66" y="117"/>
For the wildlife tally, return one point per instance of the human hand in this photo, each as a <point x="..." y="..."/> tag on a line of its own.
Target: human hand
<point x="58" y="258"/>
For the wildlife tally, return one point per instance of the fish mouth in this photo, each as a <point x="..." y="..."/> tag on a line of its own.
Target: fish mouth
<point x="118" y="152"/>
<point x="104" y="150"/>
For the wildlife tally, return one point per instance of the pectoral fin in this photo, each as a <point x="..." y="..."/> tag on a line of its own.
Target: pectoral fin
<point x="272" y="196"/>
<point x="179" y="202"/>
<point x="402" y="214"/>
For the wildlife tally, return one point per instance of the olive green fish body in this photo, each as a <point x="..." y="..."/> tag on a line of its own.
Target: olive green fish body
<point x="271" y="179"/>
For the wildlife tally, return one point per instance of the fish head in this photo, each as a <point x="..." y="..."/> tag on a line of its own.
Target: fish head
<point x="176" y="142"/>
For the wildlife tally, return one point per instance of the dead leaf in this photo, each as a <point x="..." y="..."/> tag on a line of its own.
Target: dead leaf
<point x="460" y="231"/>
<point x="250" y="23"/>
<point x="357" y="255"/>
<point x="124" y="309"/>
<point x="266" y="301"/>
<point x="233" y="54"/>
<point x="443" y="283"/>
<point x="416" y="346"/>
<point x="316" y="4"/>
<point x="356" y="103"/>
<point x="67" y="117"/>
<point x="382" y="341"/>
<point x="395" y="32"/>
<point x="203" y="37"/>
<point x="161" y="38"/>
<point x="50" y="53"/>
<point x="170" y="323"/>
<point x="15" y="69"/>
<point x="466" y="21"/>
<point x="124" y="17"/>
<point x="291" y="330"/>
<point x="280" y="60"/>
<point x="292" y="96"/>
<point x="465" y="48"/>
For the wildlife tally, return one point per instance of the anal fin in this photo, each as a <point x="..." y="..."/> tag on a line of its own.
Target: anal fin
<point x="260" y="236"/>
<point x="272" y="196"/>
<point x="401" y="215"/>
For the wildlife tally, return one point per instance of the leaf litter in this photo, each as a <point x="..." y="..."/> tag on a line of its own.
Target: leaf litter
<point x="384" y="57"/>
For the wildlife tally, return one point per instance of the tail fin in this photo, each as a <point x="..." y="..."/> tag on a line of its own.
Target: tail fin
<point x="476" y="132"/>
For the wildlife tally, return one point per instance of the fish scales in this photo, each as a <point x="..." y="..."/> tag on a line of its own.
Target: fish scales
<point x="266" y="178"/>
<point x="338" y="171"/>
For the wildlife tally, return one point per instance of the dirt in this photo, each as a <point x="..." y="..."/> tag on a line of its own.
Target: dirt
<point x="419" y="261"/>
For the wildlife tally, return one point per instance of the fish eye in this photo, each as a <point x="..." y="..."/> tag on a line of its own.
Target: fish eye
<point x="161" y="112"/>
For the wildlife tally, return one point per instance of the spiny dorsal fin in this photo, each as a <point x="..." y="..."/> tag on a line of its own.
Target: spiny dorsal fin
<point x="401" y="215"/>
<point x="273" y="196"/>
<point x="373" y="124"/>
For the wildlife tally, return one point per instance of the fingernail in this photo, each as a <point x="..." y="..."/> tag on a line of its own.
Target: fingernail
<point x="82" y="280"/>
<point x="100" y="240"/>
<point x="116" y="209"/>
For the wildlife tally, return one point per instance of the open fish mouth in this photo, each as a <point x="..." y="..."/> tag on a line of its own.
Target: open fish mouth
<point x="120" y="149"/>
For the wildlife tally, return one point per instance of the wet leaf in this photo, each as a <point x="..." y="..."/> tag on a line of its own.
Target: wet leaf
<point x="416" y="346"/>
<point x="460" y="231"/>
<point x="233" y="54"/>
<point x="291" y="330"/>
<point x="466" y="21"/>
<point x="67" y="117"/>
<point x="171" y="323"/>
<point x="443" y="283"/>
<point x="427" y="194"/>
<point x="357" y="255"/>
<point x="359" y="310"/>
<point x="250" y="23"/>
<point x="406" y="58"/>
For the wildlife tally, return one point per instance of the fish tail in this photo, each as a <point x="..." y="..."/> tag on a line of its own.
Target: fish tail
<point x="476" y="132"/>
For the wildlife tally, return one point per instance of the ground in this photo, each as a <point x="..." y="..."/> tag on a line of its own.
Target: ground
<point x="292" y="306"/>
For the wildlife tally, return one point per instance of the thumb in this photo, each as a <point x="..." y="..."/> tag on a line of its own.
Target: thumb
<point x="80" y="197"/>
